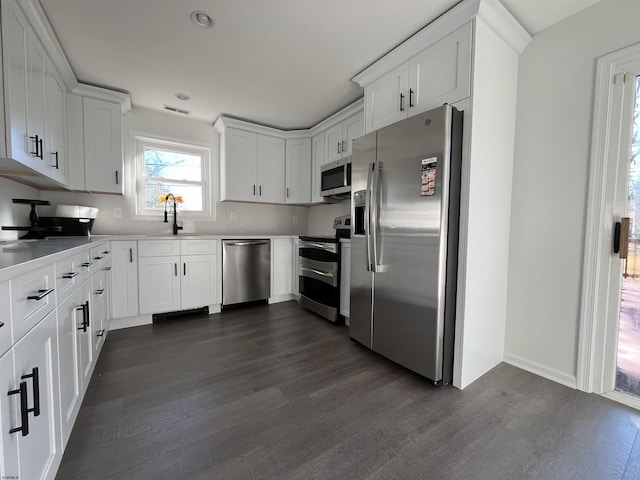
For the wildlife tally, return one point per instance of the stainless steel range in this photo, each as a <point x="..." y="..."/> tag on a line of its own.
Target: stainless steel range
<point x="319" y="270"/>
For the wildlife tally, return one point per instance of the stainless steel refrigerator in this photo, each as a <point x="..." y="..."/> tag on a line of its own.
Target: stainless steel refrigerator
<point x="404" y="241"/>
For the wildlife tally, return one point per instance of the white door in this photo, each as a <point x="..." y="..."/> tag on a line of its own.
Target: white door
<point x="85" y="337"/>
<point x="36" y="363"/>
<point x="318" y="159"/>
<point x="9" y="417"/>
<point x="198" y="280"/>
<point x="298" y="171"/>
<point x="352" y="128"/>
<point x="333" y="143"/>
<point x="55" y="154"/>
<point x="442" y="73"/>
<point x="238" y="167"/>
<point x="270" y="169"/>
<point x="70" y="326"/>
<point x="159" y="284"/>
<point x="124" y="278"/>
<point x="35" y="100"/>
<point x="103" y="146"/>
<point x="386" y="99"/>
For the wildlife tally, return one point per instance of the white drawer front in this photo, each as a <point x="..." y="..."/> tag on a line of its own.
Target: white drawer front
<point x="158" y="248"/>
<point x="99" y="257"/>
<point x="69" y="274"/>
<point x="197" y="247"/>
<point x="5" y="318"/>
<point x="32" y="298"/>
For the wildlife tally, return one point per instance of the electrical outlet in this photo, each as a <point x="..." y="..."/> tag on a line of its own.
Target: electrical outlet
<point x="233" y="216"/>
<point x="117" y="212"/>
<point x="295" y="219"/>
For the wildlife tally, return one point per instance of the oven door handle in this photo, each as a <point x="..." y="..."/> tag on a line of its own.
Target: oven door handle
<point x="328" y="247"/>
<point x="326" y="277"/>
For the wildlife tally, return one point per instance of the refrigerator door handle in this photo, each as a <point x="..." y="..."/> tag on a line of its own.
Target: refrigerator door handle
<point x="367" y="216"/>
<point x="375" y="266"/>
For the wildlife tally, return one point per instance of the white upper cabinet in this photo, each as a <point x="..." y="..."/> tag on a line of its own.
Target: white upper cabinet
<point x="339" y="137"/>
<point x="251" y="166"/>
<point x="439" y="74"/>
<point x="55" y="104"/>
<point x="102" y="146"/>
<point x="318" y="159"/>
<point x="298" y="170"/>
<point x="270" y="169"/>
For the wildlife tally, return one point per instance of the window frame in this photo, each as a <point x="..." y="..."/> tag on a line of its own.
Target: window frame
<point x="142" y="142"/>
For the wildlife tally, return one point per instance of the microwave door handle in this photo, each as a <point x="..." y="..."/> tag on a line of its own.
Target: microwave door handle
<point x="367" y="215"/>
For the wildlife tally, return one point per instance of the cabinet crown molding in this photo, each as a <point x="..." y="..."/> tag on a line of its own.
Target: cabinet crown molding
<point x="491" y="12"/>
<point x="99" y="93"/>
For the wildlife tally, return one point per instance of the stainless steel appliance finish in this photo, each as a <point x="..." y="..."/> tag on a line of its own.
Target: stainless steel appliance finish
<point x="319" y="275"/>
<point x="335" y="179"/>
<point x="246" y="271"/>
<point x="404" y="241"/>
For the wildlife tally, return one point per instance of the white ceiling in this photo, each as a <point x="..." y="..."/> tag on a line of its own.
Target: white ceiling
<point x="285" y="63"/>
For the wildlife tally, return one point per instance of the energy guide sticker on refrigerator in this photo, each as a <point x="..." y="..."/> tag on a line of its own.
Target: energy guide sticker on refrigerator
<point x="404" y="241"/>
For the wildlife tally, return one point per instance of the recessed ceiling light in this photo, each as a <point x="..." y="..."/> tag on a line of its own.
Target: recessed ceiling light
<point x="202" y="19"/>
<point x="182" y="96"/>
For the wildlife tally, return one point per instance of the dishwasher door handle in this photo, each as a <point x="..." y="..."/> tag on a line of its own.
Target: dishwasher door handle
<point x="244" y="244"/>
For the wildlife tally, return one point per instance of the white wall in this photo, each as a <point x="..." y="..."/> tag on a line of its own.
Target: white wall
<point x="15" y="215"/>
<point x="553" y="138"/>
<point x="249" y="218"/>
<point x="320" y="220"/>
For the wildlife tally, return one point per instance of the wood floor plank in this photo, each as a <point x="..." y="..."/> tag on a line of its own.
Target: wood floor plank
<point x="275" y="392"/>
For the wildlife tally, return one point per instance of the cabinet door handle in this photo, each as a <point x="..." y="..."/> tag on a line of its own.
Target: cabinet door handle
<point x="1" y="324"/>
<point x="287" y="192"/>
<point x="99" y="291"/>
<point x="107" y="268"/>
<point x="344" y="146"/>
<point x="56" y="165"/>
<point x="35" y="378"/>
<point x="86" y="306"/>
<point x="184" y="268"/>
<point x="260" y="190"/>
<point x="339" y="144"/>
<point x="117" y="179"/>
<point x="131" y="255"/>
<point x="70" y="275"/>
<point x="36" y="141"/>
<point x="98" y="258"/>
<point x="254" y="189"/>
<point x="402" y="102"/>
<point x="41" y="294"/>
<point x="41" y="156"/>
<point x="86" y="264"/>
<point x="24" y="410"/>
<point x="175" y="269"/>
<point x="411" y="98"/>
<point x="84" y="318"/>
<point x="100" y="333"/>
<point x="106" y="252"/>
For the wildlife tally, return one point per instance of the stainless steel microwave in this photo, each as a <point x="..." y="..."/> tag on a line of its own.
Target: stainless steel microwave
<point x="335" y="179"/>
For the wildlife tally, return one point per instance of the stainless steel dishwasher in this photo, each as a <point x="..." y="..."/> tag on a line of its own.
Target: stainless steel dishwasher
<point x="246" y="271"/>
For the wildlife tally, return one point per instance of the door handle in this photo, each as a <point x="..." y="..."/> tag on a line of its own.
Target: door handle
<point x="24" y="410"/>
<point x="34" y="375"/>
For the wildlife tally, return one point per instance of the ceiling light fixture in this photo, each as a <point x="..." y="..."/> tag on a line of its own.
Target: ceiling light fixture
<point x="202" y="19"/>
<point x="182" y="96"/>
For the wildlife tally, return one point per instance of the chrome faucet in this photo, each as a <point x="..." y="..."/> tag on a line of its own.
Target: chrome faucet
<point x="175" y="213"/>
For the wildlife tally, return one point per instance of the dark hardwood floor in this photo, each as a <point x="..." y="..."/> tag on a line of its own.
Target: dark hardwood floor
<point x="274" y="392"/>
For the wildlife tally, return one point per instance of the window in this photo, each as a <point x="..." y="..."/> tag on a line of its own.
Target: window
<point x="164" y="167"/>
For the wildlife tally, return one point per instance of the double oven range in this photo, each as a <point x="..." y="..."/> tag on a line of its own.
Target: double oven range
<point x="319" y="270"/>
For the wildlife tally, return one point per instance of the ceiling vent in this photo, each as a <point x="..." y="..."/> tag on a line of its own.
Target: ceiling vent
<point x="177" y="110"/>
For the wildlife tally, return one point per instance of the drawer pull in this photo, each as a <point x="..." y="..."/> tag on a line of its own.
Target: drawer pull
<point x="98" y="258"/>
<point x="34" y="375"/>
<point x="1" y="324"/>
<point x="41" y="294"/>
<point x="87" y="264"/>
<point x="100" y="333"/>
<point x="107" y="268"/>
<point x="100" y="291"/>
<point x="24" y="409"/>
<point x="106" y="252"/>
<point x="70" y="275"/>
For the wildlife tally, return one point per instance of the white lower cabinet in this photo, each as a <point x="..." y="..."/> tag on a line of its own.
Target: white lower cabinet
<point x="9" y="418"/>
<point x="124" y="279"/>
<point x="282" y="266"/>
<point x="170" y="282"/>
<point x="100" y="308"/>
<point x="36" y="387"/>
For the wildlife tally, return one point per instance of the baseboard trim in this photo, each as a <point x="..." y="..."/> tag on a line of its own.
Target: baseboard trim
<point x="282" y="298"/>
<point x="541" y="370"/>
<point x="127" y="322"/>
<point x="623" y="398"/>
